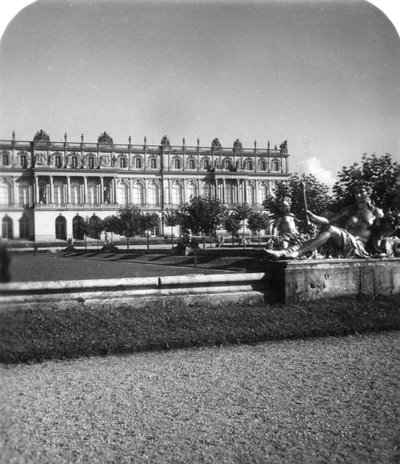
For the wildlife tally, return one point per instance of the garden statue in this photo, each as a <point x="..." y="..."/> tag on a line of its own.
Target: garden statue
<point x="361" y="221"/>
<point x="285" y="222"/>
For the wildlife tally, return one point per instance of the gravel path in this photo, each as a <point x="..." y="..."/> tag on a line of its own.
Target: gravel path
<point x="330" y="400"/>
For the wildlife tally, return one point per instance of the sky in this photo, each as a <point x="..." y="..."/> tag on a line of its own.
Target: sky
<point x="323" y="75"/>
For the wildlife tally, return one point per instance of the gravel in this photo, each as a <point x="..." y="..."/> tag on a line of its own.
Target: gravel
<point x="327" y="400"/>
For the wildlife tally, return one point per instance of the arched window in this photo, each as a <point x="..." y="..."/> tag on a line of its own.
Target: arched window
<point x="249" y="165"/>
<point x="191" y="190"/>
<point x="91" y="162"/>
<point x="61" y="228"/>
<point x="94" y="223"/>
<point x="76" y="192"/>
<point x="153" y="163"/>
<point x="206" y="190"/>
<point x="227" y="164"/>
<point x="192" y="163"/>
<point x="58" y="161"/>
<point x="206" y="163"/>
<point x="24" y="160"/>
<point x="6" y="159"/>
<point x="92" y="192"/>
<point x="122" y="163"/>
<point x="153" y="194"/>
<point x="78" y="228"/>
<point x="7" y="227"/>
<point x="250" y="194"/>
<point x="58" y="193"/>
<point x="275" y="165"/>
<point x="123" y="193"/>
<point x="138" y="163"/>
<point x="177" y="163"/>
<point x="137" y="193"/>
<point x="5" y="193"/>
<point x="264" y="192"/>
<point x="176" y="194"/>
<point x="24" y="190"/>
<point x="74" y="161"/>
<point x="229" y="193"/>
<point x="24" y="227"/>
<point x="263" y="165"/>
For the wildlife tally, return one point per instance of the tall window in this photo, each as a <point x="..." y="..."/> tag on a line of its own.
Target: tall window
<point x="6" y="159"/>
<point x="5" y="193"/>
<point x="192" y="164"/>
<point x="74" y="162"/>
<point x="229" y="193"/>
<point x="77" y="228"/>
<point x="24" y="193"/>
<point x="76" y="193"/>
<point x="191" y="190"/>
<point x="249" y="165"/>
<point x="24" y="227"/>
<point x="177" y="163"/>
<point x="123" y="193"/>
<point x="207" y="190"/>
<point x="92" y="192"/>
<point x="58" y="193"/>
<point x="61" y="228"/>
<point x="7" y="227"/>
<point x="137" y="193"/>
<point x="275" y="165"/>
<point x="153" y="163"/>
<point x="122" y="162"/>
<point x="24" y="161"/>
<point x="138" y="163"/>
<point x="58" y="161"/>
<point x="176" y="194"/>
<point x="263" y="165"/>
<point x="91" y="162"/>
<point x="250" y="194"/>
<point x="206" y="163"/>
<point x="227" y="164"/>
<point x="152" y="194"/>
<point x="263" y="192"/>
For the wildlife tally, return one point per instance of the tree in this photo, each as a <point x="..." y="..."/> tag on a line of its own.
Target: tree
<point x="148" y="221"/>
<point x="242" y="211"/>
<point x="379" y="173"/>
<point x="172" y="219"/>
<point x="202" y="215"/>
<point x="317" y="197"/>
<point x="129" y="223"/>
<point x="93" y="227"/>
<point x="256" y="222"/>
<point x="231" y="224"/>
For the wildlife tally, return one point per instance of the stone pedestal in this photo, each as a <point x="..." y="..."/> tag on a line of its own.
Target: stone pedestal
<point x="314" y="279"/>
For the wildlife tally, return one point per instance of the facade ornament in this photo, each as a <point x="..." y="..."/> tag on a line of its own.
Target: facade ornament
<point x="216" y="143"/>
<point x="237" y="144"/>
<point x="105" y="139"/>
<point x="283" y="147"/>
<point x="41" y="136"/>
<point x="165" y="142"/>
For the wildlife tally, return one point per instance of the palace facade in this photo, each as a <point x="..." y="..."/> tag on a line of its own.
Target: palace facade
<point x="48" y="188"/>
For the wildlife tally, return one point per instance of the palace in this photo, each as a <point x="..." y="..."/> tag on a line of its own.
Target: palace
<point x="48" y="188"/>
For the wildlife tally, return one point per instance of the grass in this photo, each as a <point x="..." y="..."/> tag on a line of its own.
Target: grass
<point x="52" y="332"/>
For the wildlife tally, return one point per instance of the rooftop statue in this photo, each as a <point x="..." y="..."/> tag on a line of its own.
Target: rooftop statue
<point x="105" y="139"/>
<point x="216" y="143"/>
<point x="165" y="142"/>
<point x="41" y="136"/>
<point x="237" y="144"/>
<point x="351" y="241"/>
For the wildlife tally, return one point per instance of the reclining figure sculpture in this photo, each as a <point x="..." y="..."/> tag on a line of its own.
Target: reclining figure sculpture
<point x="362" y="219"/>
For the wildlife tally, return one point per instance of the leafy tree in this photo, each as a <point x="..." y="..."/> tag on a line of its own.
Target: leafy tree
<point x="242" y="211"/>
<point x="379" y="173"/>
<point x="231" y="224"/>
<point x="317" y="197"/>
<point x="256" y="222"/>
<point x="129" y="222"/>
<point x="93" y="227"/>
<point x="111" y="224"/>
<point x="172" y="219"/>
<point x="148" y="221"/>
<point x="202" y="215"/>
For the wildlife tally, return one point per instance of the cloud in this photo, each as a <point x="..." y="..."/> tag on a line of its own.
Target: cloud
<point x="314" y="166"/>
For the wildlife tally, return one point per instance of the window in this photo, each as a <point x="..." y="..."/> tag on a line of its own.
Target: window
<point x="206" y="163"/>
<point x="91" y="162"/>
<point x="58" y="161"/>
<point x="137" y="193"/>
<point x="227" y="164"/>
<point x="153" y="163"/>
<point x="24" y="227"/>
<point x="138" y="163"/>
<point x="6" y="159"/>
<point x="78" y="228"/>
<point x="58" y="193"/>
<point x="250" y="195"/>
<point x="123" y="193"/>
<point x="275" y="165"/>
<point x="92" y="192"/>
<point x="263" y="165"/>
<point x="23" y="193"/>
<point x="5" y="193"/>
<point x="24" y="161"/>
<point x="7" y="227"/>
<point x="249" y="165"/>
<point x="152" y="194"/>
<point x="207" y="190"/>
<point x="61" y="228"/>
<point x="74" y="161"/>
<point x="75" y="193"/>
<point x="192" y="164"/>
<point x="122" y="162"/>
<point x="191" y="190"/>
<point x="229" y="193"/>
<point x="176" y="198"/>
<point x="177" y="163"/>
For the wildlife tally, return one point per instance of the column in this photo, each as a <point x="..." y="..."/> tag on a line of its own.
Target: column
<point x="223" y="190"/>
<point x="37" y="195"/>
<point x="68" y="190"/>
<point x="51" y="190"/>
<point x="85" y="196"/>
<point x="101" y="190"/>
